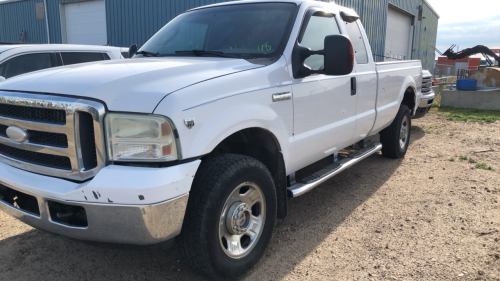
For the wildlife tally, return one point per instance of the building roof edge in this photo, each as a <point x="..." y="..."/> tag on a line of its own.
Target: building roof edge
<point x="431" y="8"/>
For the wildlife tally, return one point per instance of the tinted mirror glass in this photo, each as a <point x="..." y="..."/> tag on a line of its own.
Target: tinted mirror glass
<point x="339" y="55"/>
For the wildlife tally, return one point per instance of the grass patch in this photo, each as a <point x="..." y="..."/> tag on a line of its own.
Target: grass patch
<point x="483" y="166"/>
<point x="451" y="135"/>
<point x="472" y="161"/>
<point x="463" y="158"/>
<point x="451" y="159"/>
<point x="468" y="115"/>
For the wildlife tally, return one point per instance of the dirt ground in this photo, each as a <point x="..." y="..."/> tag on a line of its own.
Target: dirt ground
<point x="422" y="218"/>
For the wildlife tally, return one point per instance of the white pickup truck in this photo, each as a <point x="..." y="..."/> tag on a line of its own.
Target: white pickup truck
<point x="200" y="135"/>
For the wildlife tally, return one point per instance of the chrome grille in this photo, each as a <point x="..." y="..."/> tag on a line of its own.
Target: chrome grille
<point x="33" y="114"/>
<point x="65" y="136"/>
<point x="426" y="85"/>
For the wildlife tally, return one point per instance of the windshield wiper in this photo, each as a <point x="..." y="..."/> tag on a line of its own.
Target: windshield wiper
<point x="146" y="53"/>
<point x="203" y="52"/>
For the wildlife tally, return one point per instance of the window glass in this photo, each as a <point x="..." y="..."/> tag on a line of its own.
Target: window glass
<point x="358" y="43"/>
<point x="319" y="26"/>
<point x="80" y="57"/>
<point x="190" y="36"/>
<point x="24" y="64"/>
<point x="246" y="30"/>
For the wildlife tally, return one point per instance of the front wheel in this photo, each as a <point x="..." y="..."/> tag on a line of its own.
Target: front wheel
<point x="230" y="216"/>
<point x="396" y="138"/>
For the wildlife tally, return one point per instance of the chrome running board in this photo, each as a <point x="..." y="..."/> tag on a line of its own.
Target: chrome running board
<point x="308" y="183"/>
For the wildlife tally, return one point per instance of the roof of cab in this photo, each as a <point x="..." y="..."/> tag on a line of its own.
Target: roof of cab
<point x="298" y="2"/>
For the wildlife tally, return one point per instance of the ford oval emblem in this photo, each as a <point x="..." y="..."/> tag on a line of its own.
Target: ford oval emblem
<point x="17" y="134"/>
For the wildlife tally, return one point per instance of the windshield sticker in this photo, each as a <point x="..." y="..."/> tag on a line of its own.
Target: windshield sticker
<point x="264" y="47"/>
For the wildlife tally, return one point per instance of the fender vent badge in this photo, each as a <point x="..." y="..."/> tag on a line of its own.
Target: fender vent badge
<point x="189" y="122"/>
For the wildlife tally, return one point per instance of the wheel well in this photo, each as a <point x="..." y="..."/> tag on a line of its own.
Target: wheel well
<point x="254" y="142"/>
<point x="263" y="146"/>
<point x="409" y="99"/>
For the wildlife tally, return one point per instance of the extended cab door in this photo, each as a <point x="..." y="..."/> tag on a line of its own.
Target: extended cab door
<point x="324" y="109"/>
<point x="365" y="82"/>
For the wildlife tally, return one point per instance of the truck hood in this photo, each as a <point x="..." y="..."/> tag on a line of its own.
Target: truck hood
<point x="132" y="85"/>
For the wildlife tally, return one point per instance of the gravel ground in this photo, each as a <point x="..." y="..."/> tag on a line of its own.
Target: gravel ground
<point x="422" y="218"/>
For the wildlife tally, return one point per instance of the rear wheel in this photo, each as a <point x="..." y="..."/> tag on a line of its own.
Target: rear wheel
<point x="396" y="138"/>
<point x="230" y="216"/>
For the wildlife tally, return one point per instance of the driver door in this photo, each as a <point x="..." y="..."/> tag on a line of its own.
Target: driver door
<point x="324" y="109"/>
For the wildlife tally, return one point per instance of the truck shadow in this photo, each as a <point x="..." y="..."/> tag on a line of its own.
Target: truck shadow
<point x="313" y="217"/>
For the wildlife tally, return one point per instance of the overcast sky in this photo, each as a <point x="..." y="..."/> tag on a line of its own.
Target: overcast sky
<point x="468" y="23"/>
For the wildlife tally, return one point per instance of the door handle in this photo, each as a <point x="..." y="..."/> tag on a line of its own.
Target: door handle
<point x="353" y="86"/>
<point x="282" y="97"/>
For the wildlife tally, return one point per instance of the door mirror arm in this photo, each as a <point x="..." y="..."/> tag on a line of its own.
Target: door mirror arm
<point x="304" y="70"/>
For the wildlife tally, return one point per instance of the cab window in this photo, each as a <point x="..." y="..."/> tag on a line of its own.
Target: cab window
<point x="358" y="44"/>
<point x="319" y="26"/>
<point x="82" y="57"/>
<point x="24" y="64"/>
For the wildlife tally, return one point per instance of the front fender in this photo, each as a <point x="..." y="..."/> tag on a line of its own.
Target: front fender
<point x="231" y="119"/>
<point x="228" y="104"/>
<point x="409" y="82"/>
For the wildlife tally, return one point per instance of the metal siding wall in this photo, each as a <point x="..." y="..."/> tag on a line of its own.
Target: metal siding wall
<point x="428" y="36"/>
<point x="134" y="22"/>
<point x="17" y="16"/>
<point x="371" y="14"/>
<point x="54" y="12"/>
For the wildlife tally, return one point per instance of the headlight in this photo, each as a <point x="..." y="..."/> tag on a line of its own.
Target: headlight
<point x="134" y="137"/>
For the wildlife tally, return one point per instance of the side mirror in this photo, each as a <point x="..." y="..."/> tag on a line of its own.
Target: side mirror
<point x="339" y="55"/>
<point x="2" y="78"/>
<point x="132" y="50"/>
<point x="338" y="58"/>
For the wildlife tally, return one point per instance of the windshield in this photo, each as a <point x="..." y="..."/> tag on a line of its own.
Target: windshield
<point x="244" y="30"/>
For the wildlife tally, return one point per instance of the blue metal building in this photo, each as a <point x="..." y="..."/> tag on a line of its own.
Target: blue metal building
<point x="397" y="29"/>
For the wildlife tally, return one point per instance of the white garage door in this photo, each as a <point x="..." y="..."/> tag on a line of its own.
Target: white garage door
<point x="84" y="23"/>
<point x="399" y="35"/>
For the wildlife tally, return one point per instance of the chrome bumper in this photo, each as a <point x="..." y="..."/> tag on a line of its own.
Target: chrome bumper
<point x="425" y="105"/>
<point x="109" y="223"/>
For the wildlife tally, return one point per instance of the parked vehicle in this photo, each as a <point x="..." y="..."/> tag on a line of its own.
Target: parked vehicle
<point x="428" y="95"/>
<point x="21" y="58"/>
<point x="199" y="136"/>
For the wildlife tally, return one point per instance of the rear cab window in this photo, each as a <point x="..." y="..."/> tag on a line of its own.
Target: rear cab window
<point x="25" y="63"/>
<point x="358" y="44"/>
<point x="69" y="58"/>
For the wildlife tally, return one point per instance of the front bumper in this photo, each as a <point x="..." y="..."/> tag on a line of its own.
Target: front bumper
<point x="425" y="105"/>
<point x="153" y="215"/>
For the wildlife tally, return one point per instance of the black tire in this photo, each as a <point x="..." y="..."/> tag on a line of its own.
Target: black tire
<point x="390" y="137"/>
<point x="200" y="240"/>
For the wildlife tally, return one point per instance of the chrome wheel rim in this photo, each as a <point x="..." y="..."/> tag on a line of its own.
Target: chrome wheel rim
<point x="403" y="132"/>
<point x="242" y="220"/>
